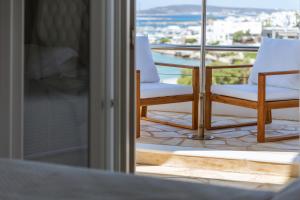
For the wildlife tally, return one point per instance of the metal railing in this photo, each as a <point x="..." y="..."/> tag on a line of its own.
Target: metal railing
<point x="207" y="48"/>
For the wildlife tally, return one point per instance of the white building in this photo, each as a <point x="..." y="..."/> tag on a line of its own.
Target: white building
<point x="280" y="19"/>
<point x="222" y="30"/>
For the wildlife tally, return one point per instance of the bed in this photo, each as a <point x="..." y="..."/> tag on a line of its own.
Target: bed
<point x="35" y="181"/>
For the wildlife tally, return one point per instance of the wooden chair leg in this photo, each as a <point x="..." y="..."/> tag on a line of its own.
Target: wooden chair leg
<point x="269" y="116"/>
<point x="195" y="113"/>
<point x="138" y="103"/>
<point x="208" y="100"/>
<point x="144" y="111"/>
<point x="261" y="110"/>
<point x="208" y="111"/>
<point x="138" y="121"/>
<point x="195" y="103"/>
<point x="261" y="125"/>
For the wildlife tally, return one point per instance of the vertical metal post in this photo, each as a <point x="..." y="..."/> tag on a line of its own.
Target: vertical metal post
<point x="201" y="130"/>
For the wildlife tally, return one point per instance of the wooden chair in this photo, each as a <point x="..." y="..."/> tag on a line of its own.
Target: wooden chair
<point x="151" y="92"/>
<point x="273" y="84"/>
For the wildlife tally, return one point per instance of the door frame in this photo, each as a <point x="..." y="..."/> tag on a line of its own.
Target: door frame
<point x="11" y="78"/>
<point x="111" y="108"/>
<point x="132" y="86"/>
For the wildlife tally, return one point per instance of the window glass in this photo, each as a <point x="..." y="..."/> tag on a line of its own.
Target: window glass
<point x="56" y="81"/>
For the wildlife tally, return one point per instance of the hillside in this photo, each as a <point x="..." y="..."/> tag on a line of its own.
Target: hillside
<point x="196" y="9"/>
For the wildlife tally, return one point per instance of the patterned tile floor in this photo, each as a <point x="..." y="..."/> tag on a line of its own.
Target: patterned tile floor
<point x="240" y="139"/>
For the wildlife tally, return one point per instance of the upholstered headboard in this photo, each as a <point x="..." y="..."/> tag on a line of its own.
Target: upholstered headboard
<point x="61" y="23"/>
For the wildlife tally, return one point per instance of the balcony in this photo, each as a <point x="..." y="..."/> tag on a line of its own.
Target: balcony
<point x="234" y="155"/>
<point x="233" y="36"/>
<point x="236" y="139"/>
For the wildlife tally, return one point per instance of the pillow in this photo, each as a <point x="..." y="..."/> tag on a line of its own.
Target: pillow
<point x="144" y="61"/>
<point x="66" y="69"/>
<point x="69" y="68"/>
<point x="43" y="62"/>
<point x="278" y="55"/>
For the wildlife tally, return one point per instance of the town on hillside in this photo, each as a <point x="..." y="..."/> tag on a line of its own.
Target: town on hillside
<point x="181" y="25"/>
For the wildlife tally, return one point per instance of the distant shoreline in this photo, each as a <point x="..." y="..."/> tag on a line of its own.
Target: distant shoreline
<point x="196" y="9"/>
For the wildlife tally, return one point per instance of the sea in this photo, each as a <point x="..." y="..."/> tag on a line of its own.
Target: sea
<point x="167" y="74"/>
<point x="167" y="20"/>
<point x="171" y="74"/>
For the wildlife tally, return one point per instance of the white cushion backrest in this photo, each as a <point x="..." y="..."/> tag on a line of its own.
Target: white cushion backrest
<point x="278" y="55"/>
<point x="144" y="61"/>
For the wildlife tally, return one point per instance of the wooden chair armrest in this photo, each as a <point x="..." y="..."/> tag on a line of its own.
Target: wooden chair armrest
<point x="262" y="79"/>
<point x="209" y="73"/>
<point x="195" y="73"/>
<point x="279" y="73"/>
<point x="177" y="65"/>
<point x="228" y="67"/>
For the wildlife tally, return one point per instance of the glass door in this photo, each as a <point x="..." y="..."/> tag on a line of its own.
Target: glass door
<point x="57" y="81"/>
<point x="66" y="67"/>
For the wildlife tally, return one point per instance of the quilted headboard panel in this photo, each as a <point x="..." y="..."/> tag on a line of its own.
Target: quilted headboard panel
<point x="63" y="23"/>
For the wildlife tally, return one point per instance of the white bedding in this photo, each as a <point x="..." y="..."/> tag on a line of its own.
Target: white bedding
<point x="35" y="181"/>
<point x="56" y="115"/>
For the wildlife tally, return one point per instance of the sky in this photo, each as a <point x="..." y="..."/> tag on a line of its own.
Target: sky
<point x="274" y="4"/>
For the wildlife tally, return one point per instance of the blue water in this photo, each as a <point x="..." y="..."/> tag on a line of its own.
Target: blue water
<point x="171" y="72"/>
<point x="166" y="19"/>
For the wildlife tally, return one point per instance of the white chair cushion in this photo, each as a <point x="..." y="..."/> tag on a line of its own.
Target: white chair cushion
<point x="278" y="55"/>
<point x="151" y="90"/>
<point x="250" y="92"/>
<point x="144" y="61"/>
